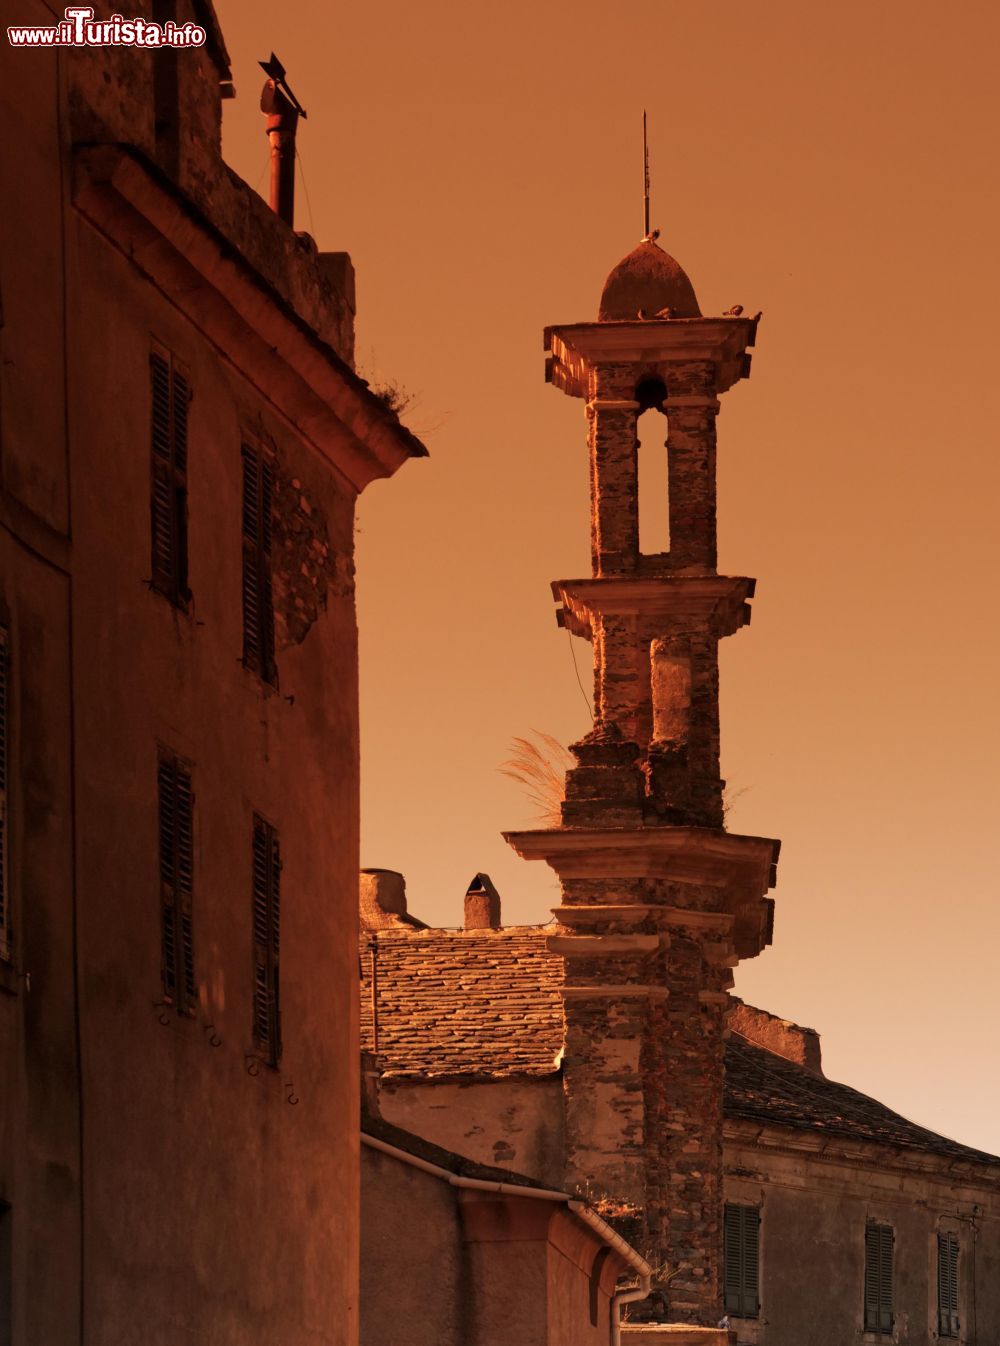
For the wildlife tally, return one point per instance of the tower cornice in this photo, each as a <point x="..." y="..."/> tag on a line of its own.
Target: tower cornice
<point x="719" y="604"/>
<point x="576" y="348"/>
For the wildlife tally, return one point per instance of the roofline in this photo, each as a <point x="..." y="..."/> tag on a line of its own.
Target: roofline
<point x="122" y="194"/>
<point x="844" y="1146"/>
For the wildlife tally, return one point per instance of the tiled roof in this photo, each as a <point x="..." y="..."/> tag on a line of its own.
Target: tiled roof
<point x="457" y="1002"/>
<point x="761" y="1086"/>
<point x="487" y="1002"/>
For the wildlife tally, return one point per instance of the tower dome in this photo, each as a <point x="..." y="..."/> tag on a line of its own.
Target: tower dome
<point x="647" y="280"/>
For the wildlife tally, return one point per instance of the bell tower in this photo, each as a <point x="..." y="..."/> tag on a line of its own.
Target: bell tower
<point x="659" y="902"/>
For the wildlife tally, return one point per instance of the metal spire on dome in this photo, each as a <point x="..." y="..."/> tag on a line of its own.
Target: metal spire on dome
<point x="647" y="236"/>
<point x="645" y="177"/>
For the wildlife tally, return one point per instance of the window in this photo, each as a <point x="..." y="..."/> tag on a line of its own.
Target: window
<point x="947" y="1285"/>
<point x="5" y="901"/>
<point x="258" y="604"/>
<point x="741" y="1240"/>
<point x="266" y="921"/>
<point x="176" y="808"/>
<point x="878" y="1278"/>
<point x="168" y="488"/>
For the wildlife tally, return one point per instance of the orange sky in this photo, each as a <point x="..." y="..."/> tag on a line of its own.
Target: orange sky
<point x="834" y="166"/>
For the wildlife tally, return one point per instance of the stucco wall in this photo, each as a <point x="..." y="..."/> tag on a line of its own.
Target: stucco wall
<point x="215" y="1205"/>
<point x="204" y="1181"/>
<point x="515" y="1124"/>
<point x="443" y="1266"/>
<point x="414" y="1267"/>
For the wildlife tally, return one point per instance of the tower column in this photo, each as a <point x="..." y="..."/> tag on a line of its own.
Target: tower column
<point x="691" y="407"/>
<point x="612" y="410"/>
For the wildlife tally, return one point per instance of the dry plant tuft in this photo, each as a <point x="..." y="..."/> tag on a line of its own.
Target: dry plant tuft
<point x="541" y="768"/>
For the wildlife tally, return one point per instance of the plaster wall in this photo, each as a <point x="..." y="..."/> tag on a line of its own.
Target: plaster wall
<point x="206" y="1196"/>
<point x="442" y="1266"/>
<point x="206" y="1170"/>
<point x="410" y="1237"/>
<point x="516" y="1124"/>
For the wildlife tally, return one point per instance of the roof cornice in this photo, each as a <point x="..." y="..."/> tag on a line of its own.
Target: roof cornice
<point x="199" y="270"/>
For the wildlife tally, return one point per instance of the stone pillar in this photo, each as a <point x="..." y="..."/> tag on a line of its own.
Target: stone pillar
<point x="683" y="1078"/>
<point x="691" y="408"/>
<point x="612" y="411"/>
<point x="682" y="765"/>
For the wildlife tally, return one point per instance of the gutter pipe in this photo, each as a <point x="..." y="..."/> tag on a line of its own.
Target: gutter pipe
<point x="579" y="1208"/>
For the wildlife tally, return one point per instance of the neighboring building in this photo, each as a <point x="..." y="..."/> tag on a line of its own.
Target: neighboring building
<point x="471" y="1037"/>
<point x="603" y="1054"/>
<point x="182" y="441"/>
<point x="455" y="1253"/>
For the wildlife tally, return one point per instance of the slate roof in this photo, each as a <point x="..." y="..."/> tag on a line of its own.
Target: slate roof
<point x="460" y="1002"/>
<point x="487" y="1003"/>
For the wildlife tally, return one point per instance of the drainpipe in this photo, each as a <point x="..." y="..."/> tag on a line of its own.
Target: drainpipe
<point x="579" y="1208"/>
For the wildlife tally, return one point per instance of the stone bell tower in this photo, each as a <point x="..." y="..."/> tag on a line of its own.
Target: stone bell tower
<point x="659" y="901"/>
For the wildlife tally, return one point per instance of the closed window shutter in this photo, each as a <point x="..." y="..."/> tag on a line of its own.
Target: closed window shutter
<point x="168" y="501"/>
<point x="948" y="1325"/>
<point x="258" y="601"/>
<point x="741" y="1254"/>
<point x="878" y="1278"/>
<point x="5" y="901"/>
<point x="176" y="825"/>
<point x="266" y="884"/>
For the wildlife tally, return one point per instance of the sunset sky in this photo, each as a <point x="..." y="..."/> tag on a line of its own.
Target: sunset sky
<point x="833" y="166"/>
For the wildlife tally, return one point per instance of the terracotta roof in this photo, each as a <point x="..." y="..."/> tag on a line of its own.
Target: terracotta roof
<point x="488" y="1003"/>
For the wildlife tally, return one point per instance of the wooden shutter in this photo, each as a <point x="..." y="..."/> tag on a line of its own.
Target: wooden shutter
<point x="266" y="896"/>
<point x="258" y="600"/>
<point x="878" y="1278"/>
<point x="5" y="901"/>
<point x="741" y="1259"/>
<point x="170" y="395"/>
<point x="176" y="821"/>
<point x="948" y="1324"/>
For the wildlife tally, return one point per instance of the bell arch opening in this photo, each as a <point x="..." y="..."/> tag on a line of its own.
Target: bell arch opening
<point x="652" y="468"/>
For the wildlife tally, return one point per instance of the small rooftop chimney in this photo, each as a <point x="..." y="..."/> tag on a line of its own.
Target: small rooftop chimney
<point x="382" y="901"/>
<point x="283" y="110"/>
<point x="482" y="904"/>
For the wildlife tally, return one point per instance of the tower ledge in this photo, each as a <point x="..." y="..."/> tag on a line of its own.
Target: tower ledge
<point x="576" y="347"/>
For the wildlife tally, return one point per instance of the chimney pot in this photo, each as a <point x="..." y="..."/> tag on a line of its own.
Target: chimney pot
<point x="482" y="904"/>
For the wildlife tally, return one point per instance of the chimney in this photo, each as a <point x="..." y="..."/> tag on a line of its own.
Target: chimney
<point x="382" y="895"/>
<point x="283" y="110"/>
<point x="482" y="904"/>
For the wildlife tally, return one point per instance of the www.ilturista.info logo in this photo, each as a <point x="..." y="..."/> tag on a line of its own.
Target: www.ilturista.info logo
<point x="80" y="29"/>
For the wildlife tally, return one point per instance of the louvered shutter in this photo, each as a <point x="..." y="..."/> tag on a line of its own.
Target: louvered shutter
<point x="948" y="1324"/>
<point x="258" y="602"/>
<point x="741" y="1253"/>
<point x="266" y="935"/>
<point x="878" y="1278"/>
<point x="751" y="1241"/>
<point x="5" y="901"/>
<point x="176" y="826"/>
<point x="168" y="508"/>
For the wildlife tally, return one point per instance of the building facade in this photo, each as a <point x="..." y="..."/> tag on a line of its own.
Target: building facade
<point x="182" y="441"/>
